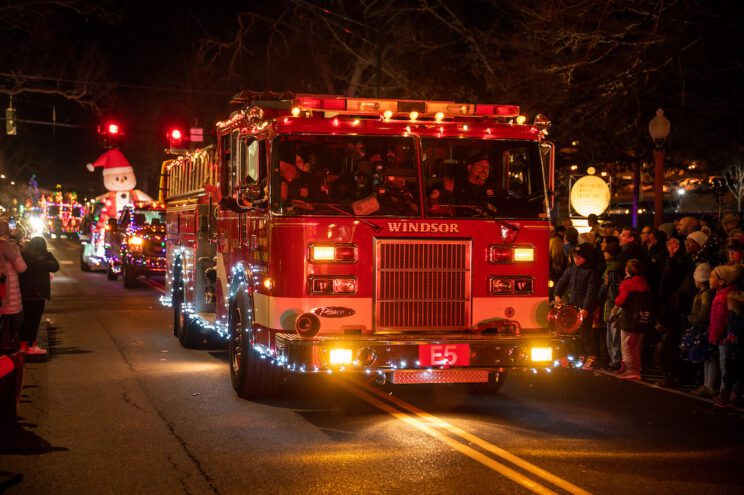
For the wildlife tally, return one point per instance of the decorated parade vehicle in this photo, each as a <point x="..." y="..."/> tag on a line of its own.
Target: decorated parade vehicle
<point x="120" y="183"/>
<point x="135" y="243"/>
<point x="405" y="240"/>
<point x="64" y="219"/>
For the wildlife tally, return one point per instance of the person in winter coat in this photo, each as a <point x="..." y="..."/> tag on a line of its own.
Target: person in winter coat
<point x="732" y="370"/>
<point x="35" y="290"/>
<point x="11" y="264"/>
<point x="699" y="318"/>
<point x="608" y="293"/>
<point x="634" y="312"/>
<point x="579" y="286"/>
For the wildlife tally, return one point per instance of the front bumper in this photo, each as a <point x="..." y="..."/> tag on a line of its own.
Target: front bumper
<point x="402" y="353"/>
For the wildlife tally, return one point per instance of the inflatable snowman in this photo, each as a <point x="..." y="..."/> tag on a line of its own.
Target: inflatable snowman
<point x="119" y="180"/>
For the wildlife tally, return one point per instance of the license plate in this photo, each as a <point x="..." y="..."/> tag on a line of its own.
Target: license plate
<point x="444" y="355"/>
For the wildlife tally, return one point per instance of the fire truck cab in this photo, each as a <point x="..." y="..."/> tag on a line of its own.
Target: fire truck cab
<point x="405" y="240"/>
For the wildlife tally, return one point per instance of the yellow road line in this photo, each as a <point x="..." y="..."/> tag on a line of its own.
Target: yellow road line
<point x="463" y="449"/>
<point x="487" y="446"/>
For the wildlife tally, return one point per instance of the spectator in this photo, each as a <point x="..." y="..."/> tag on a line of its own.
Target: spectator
<point x="579" y="285"/>
<point x="593" y="221"/>
<point x="35" y="290"/>
<point x="557" y="255"/>
<point x="608" y="293"/>
<point x="571" y="241"/>
<point x="721" y="279"/>
<point x="11" y="264"/>
<point x="630" y="248"/>
<point x="686" y="226"/>
<point x="695" y="343"/>
<point x="729" y="223"/>
<point x="634" y="313"/>
<point x="655" y="243"/>
<point x="732" y="352"/>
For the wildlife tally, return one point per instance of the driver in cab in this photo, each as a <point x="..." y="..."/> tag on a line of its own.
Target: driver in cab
<point x="300" y="187"/>
<point x="475" y="189"/>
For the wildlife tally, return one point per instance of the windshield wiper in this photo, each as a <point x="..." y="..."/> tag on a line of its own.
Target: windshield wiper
<point x="373" y="226"/>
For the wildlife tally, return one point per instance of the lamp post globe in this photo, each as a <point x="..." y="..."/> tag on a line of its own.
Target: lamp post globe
<point x="659" y="128"/>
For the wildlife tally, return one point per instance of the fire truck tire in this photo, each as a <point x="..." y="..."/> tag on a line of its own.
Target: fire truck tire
<point x="84" y="265"/>
<point x="177" y="309"/>
<point x="494" y="384"/>
<point x="111" y="274"/>
<point x="188" y="332"/>
<point x="130" y="276"/>
<point x="252" y="376"/>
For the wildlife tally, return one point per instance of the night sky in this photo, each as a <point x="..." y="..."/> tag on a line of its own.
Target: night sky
<point x="148" y="74"/>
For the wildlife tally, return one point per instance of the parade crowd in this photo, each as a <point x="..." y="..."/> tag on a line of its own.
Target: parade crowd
<point x="25" y="273"/>
<point x="668" y="297"/>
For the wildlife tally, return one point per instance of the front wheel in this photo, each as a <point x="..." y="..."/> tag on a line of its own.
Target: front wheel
<point x="252" y="376"/>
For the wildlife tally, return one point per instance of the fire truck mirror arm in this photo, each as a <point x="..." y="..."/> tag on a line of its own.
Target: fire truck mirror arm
<point x="232" y="204"/>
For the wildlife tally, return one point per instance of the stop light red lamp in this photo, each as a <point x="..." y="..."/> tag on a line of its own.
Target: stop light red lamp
<point x="176" y="138"/>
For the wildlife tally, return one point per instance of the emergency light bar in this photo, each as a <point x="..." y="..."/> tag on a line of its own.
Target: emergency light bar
<point x="389" y="108"/>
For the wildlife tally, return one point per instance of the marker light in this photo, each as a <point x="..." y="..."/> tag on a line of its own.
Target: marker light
<point x="268" y="283"/>
<point x="524" y="254"/>
<point x="439" y="116"/>
<point x="413" y="115"/>
<point x="541" y="354"/>
<point x="113" y="129"/>
<point x="295" y="111"/>
<point x="505" y="253"/>
<point x="387" y="114"/>
<point x="521" y="119"/>
<point x="336" y="253"/>
<point x="340" y="357"/>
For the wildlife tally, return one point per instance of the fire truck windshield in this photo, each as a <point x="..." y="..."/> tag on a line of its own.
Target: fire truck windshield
<point x="361" y="175"/>
<point x="466" y="178"/>
<point x="378" y="176"/>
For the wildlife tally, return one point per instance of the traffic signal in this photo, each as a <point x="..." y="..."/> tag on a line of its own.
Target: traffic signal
<point x="10" y="122"/>
<point x="176" y="138"/>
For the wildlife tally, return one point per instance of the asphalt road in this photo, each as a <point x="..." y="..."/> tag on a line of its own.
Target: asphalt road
<point x="119" y="407"/>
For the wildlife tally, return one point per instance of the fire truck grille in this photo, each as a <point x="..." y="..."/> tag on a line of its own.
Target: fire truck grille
<point x="422" y="285"/>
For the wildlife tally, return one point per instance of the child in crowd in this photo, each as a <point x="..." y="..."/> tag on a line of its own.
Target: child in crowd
<point x="608" y="293"/>
<point x="634" y="313"/>
<point x="695" y="341"/>
<point x="579" y="284"/>
<point x="35" y="290"/>
<point x="732" y="351"/>
<point x="721" y="279"/>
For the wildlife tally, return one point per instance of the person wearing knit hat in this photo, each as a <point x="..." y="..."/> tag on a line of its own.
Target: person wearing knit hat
<point x="579" y="286"/>
<point x="702" y="273"/>
<point x="735" y="249"/>
<point x="699" y="237"/>
<point x="694" y="341"/>
<point x="728" y="273"/>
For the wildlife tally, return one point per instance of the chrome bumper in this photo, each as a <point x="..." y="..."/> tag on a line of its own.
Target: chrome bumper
<point x="401" y="353"/>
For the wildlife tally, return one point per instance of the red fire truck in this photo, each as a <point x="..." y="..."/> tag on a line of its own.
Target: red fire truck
<point x="406" y="240"/>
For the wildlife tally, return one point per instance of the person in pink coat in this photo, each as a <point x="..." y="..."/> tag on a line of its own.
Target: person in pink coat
<point x="11" y="264"/>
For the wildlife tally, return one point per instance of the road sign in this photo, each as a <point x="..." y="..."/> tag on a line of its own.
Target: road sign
<point x="196" y="135"/>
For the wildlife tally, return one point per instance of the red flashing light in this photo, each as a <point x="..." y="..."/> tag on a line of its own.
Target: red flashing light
<point x="322" y="103"/>
<point x="176" y="137"/>
<point x="113" y="129"/>
<point x="500" y="110"/>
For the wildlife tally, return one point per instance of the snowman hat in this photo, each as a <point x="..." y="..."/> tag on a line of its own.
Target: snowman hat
<point x="112" y="162"/>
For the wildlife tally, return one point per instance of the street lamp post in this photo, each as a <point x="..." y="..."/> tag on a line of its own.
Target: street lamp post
<point x="659" y="130"/>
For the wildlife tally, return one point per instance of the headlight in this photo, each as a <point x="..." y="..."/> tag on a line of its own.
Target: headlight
<point x="331" y="285"/>
<point x="135" y="244"/>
